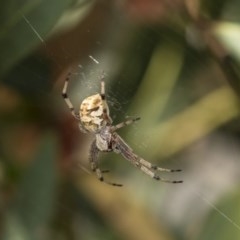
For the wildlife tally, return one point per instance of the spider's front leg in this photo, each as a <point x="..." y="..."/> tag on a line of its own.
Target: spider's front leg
<point x="70" y="105"/>
<point x="94" y="152"/>
<point x="127" y="122"/>
<point x="66" y="98"/>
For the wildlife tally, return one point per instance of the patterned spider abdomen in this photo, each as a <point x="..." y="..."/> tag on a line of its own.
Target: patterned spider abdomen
<point x="93" y="112"/>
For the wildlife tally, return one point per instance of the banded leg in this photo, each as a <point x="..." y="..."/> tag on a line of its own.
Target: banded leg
<point x="125" y="123"/>
<point x="104" y="100"/>
<point x="122" y="147"/>
<point x="66" y="98"/>
<point x="155" y="167"/>
<point x="146" y="167"/>
<point x="94" y="152"/>
<point x="155" y="176"/>
<point x="102" y="87"/>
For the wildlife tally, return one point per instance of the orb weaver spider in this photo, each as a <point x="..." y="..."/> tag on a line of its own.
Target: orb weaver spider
<point x="93" y="117"/>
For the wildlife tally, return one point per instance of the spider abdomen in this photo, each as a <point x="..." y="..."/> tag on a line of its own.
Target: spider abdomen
<point x="92" y="113"/>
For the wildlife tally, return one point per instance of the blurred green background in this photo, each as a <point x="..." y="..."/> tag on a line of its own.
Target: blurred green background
<point x="173" y="63"/>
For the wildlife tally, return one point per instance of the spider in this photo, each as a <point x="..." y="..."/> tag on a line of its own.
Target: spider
<point x="93" y="117"/>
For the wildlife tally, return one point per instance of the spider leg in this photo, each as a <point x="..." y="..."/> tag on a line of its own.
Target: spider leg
<point x="101" y="178"/>
<point x="69" y="103"/>
<point x="94" y="152"/>
<point x="102" y="87"/>
<point x="66" y="98"/>
<point x="155" y="176"/>
<point x="155" y="167"/>
<point x="125" y="123"/>
<point x="104" y="100"/>
<point x="145" y="166"/>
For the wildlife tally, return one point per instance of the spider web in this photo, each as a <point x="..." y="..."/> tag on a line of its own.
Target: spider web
<point x="117" y="107"/>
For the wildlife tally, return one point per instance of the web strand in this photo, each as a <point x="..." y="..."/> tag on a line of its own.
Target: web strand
<point x="213" y="206"/>
<point x="33" y="29"/>
<point x="199" y="194"/>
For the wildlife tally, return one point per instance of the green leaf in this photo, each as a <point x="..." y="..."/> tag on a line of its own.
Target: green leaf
<point x="24" y="25"/>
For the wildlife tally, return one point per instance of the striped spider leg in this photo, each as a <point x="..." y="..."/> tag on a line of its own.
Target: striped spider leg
<point x="94" y="117"/>
<point x="120" y="146"/>
<point x="70" y="105"/>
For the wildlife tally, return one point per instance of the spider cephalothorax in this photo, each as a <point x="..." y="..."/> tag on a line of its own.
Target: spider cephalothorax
<point x="93" y="117"/>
